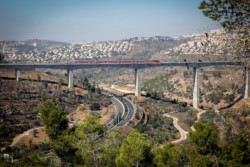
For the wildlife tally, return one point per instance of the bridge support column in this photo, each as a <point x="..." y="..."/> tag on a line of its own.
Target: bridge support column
<point x="246" y="84"/>
<point x="70" y="78"/>
<point x="17" y="74"/>
<point x="196" y="93"/>
<point x="137" y="82"/>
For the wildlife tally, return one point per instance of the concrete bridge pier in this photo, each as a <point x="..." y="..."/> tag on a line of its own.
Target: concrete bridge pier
<point x="17" y="74"/>
<point x="196" y="93"/>
<point x="137" y="82"/>
<point x="70" y="78"/>
<point x="246" y="84"/>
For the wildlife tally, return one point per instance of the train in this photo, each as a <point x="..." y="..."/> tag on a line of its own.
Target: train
<point x="118" y="61"/>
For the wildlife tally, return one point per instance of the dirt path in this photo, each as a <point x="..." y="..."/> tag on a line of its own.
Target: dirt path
<point x="78" y="114"/>
<point x="198" y="117"/>
<point x="19" y="137"/>
<point x="182" y="131"/>
<point x="177" y="126"/>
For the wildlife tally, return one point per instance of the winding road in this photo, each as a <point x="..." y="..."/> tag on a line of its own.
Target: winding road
<point x="177" y="126"/>
<point x="198" y="117"/>
<point x="182" y="131"/>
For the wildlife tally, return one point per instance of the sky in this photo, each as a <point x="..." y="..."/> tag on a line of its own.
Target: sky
<point x="100" y="20"/>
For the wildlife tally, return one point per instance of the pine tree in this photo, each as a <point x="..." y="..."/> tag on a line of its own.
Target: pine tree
<point x="135" y="150"/>
<point x="54" y="118"/>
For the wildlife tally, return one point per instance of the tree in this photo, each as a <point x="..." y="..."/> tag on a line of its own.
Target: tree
<point x="229" y="97"/>
<point x="231" y="14"/>
<point x="237" y="153"/>
<point x="34" y="132"/>
<point x="62" y="146"/>
<point x="85" y="83"/>
<point x="215" y="97"/>
<point x="2" y="58"/>
<point x="38" y="78"/>
<point x="45" y="83"/>
<point x="170" y="155"/>
<point x="234" y="17"/>
<point x="135" y="150"/>
<point x="95" y="106"/>
<point x="1" y="83"/>
<point x="87" y="139"/>
<point x="34" y="159"/>
<point x="185" y="74"/>
<point x="60" y="82"/>
<point x="205" y="139"/>
<point x="54" y="118"/>
<point x="98" y="90"/>
<point x="112" y="143"/>
<point x="205" y="77"/>
<point x="92" y="88"/>
<point x="217" y="74"/>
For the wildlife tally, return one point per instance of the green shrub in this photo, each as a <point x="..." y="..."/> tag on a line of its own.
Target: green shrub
<point x="185" y="74"/>
<point x="217" y="74"/>
<point x="189" y="121"/>
<point x="137" y="116"/>
<point x="215" y="97"/>
<point x="240" y="90"/>
<point x="205" y="77"/>
<point x="34" y="132"/>
<point x="181" y="108"/>
<point x="95" y="113"/>
<point x="95" y="106"/>
<point x="229" y="97"/>
<point x="142" y="128"/>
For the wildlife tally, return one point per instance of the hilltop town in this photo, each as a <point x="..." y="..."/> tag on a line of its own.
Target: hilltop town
<point x="63" y="53"/>
<point x="41" y="51"/>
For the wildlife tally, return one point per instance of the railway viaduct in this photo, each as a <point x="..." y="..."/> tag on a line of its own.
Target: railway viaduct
<point x="137" y="67"/>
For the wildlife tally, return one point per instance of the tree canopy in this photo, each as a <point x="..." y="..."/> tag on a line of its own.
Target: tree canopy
<point x="54" y="118"/>
<point x="233" y="15"/>
<point x="134" y="150"/>
<point x="230" y="13"/>
<point x="2" y="58"/>
<point x="205" y="138"/>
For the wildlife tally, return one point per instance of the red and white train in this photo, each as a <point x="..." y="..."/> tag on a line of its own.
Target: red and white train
<point x="118" y="61"/>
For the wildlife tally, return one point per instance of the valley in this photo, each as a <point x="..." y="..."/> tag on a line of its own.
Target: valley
<point x="164" y="113"/>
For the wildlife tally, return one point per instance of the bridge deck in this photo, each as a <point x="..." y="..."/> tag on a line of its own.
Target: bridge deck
<point x="73" y="66"/>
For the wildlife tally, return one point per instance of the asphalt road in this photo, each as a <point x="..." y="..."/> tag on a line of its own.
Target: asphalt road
<point x="130" y="112"/>
<point x="131" y="109"/>
<point x="119" y="111"/>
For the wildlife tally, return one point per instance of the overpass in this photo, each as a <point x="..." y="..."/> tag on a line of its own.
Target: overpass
<point x="137" y="67"/>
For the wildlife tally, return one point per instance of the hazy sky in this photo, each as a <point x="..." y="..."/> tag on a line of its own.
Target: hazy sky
<point x="98" y="20"/>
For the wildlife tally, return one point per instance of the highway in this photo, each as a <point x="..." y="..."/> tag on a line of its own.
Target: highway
<point x="131" y="110"/>
<point x="119" y="111"/>
<point x="130" y="114"/>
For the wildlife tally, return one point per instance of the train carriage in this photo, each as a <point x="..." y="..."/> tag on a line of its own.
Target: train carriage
<point x="117" y="61"/>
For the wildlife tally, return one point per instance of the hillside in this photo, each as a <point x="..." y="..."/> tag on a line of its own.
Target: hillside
<point x="223" y="126"/>
<point x="20" y="101"/>
<point x="219" y="86"/>
<point x="190" y="47"/>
